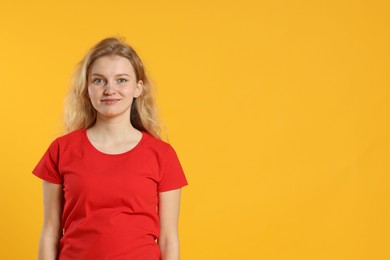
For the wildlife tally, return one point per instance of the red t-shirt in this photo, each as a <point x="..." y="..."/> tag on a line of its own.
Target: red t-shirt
<point x="110" y="201"/>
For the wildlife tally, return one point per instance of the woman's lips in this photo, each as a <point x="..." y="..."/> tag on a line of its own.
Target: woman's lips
<point x="109" y="101"/>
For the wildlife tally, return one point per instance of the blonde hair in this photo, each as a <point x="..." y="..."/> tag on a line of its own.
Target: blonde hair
<point x="79" y="112"/>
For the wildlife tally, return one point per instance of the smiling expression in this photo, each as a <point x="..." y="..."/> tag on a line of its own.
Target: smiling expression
<point x="112" y="85"/>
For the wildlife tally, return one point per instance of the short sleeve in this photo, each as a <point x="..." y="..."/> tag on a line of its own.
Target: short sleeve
<point x="47" y="167"/>
<point x="172" y="174"/>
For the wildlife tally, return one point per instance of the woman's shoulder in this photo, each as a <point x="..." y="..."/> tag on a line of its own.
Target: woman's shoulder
<point x="71" y="137"/>
<point x="66" y="140"/>
<point x="156" y="143"/>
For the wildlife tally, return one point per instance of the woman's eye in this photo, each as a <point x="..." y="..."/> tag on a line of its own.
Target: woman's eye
<point x="121" y="80"/>
<point x="97" y="81"/>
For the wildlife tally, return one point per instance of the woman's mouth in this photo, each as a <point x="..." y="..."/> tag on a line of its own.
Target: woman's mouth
<point x="109" y="101"/>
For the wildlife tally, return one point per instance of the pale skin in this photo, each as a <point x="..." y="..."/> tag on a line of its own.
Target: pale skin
<point x="111" y="87"/>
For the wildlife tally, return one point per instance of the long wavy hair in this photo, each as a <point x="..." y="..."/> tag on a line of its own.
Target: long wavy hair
<point x="79" y="112"/>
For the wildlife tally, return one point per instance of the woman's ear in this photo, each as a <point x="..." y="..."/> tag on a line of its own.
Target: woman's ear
<point x="138" y="89"/>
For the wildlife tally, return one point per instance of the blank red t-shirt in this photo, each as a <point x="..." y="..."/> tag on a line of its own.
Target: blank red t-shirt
<point x="110" y="201"/>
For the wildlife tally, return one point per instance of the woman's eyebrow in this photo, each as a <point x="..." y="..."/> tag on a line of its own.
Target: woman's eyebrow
<point x="118" y="75"/>
<point x="97" y="74"/>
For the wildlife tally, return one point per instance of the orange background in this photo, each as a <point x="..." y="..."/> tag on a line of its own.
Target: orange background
<point x="279" y="111"/>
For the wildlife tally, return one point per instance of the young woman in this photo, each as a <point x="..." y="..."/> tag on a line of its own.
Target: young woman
<point x="111" y="186"/>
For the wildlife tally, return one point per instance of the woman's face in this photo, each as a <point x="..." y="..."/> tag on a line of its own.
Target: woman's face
<point x="112" y="86"/>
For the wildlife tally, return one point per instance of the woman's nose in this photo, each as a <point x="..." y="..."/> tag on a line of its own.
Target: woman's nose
<point x="109" y="89"/>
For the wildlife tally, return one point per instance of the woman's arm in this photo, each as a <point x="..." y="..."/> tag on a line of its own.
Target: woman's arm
<point x="169" y="207"/>
<point x="51" y="230"/>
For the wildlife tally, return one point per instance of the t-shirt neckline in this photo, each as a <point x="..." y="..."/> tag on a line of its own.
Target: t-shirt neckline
<point x="93" y="148"/>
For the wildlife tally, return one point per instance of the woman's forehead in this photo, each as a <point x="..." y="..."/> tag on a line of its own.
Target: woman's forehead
<point x="112" y="65"/>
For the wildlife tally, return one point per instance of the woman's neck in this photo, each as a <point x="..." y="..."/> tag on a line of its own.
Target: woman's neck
<point x="113" y="129"/>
